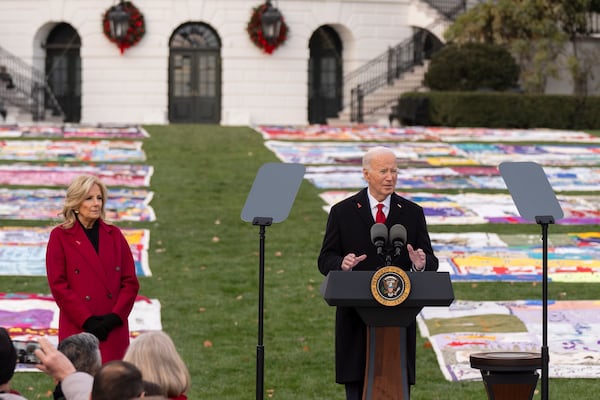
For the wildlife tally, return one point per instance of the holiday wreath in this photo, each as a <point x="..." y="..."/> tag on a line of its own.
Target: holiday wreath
<point x="136" y="30"/>
<point x="256" y="34"/>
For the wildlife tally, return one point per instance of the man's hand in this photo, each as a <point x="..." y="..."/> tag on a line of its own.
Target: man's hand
<point x="351" y="260"/>
<point x="417" y="257"/>
<point x="52" y="361"/>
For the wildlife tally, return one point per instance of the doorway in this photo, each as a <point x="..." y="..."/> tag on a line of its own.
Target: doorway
<point x="63" y="69"/>
<point x="195" y="75"/>
<point x="325" y="79"/>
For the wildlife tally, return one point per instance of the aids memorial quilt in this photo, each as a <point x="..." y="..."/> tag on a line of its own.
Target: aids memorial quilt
<point x="27" y="317"/>
<point x="22" y="174"/>
<point x="363" y="132"/>
<point x="46" y="204"/>
<point x="72" y="150"/>
<point x="100" y="131"/>
<point x="23" y="250"/>
<point x="468" y="327"/>
<point x="482" y="256"/>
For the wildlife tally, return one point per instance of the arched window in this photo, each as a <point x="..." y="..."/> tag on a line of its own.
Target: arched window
<point x="194" y="36"/>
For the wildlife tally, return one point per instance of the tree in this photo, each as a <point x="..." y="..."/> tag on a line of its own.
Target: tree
<point x="534" y="31"/>
<point x="580" y="61"/>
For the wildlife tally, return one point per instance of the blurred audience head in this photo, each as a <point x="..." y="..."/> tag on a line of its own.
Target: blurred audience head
<point x="8" y="357"/>
<point x="117" y="380"/>
<point x="83" y="349"/>
<point x="154" y="353"/>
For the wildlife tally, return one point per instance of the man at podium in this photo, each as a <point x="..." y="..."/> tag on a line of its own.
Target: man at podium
<point x="347" y="246"/>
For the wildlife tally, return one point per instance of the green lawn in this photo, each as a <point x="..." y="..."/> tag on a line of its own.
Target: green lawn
<point x="204" y="261"/>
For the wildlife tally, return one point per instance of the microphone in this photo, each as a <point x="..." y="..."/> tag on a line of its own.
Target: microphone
<point x="379" y="236"/>
<point x="397" y="238"/>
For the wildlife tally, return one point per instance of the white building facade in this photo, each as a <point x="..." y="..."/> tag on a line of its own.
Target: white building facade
<point x="247" y="85"/>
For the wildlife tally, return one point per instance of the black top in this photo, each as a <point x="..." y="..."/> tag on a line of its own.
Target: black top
<point x="92" y="233"/>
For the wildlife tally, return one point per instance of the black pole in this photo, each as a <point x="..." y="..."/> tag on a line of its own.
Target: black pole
<point x="359" y="104"/>
<point x="260" y="349"/>
<point x="545" y="355"/>
<point x="544" y="221"/>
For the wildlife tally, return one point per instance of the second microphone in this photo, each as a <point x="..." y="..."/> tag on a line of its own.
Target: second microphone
<point x="384" y="240"/>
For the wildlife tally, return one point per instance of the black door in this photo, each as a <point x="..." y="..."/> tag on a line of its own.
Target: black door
<point x="63" y="69"/>
<point x="324" y="75"/>
<point x="194" y="75"/>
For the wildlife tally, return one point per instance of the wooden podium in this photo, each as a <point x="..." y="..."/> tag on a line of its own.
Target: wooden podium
<point x="386" y="369"/>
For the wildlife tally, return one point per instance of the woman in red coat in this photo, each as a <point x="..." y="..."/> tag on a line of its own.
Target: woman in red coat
<point x="91" y="272"/>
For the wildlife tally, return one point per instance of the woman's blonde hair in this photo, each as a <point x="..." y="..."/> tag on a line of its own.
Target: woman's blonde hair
<point x="77" y="192"/>
<point x="154" y="353"/>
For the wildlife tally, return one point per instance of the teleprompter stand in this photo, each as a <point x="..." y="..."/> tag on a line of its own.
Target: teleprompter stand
<point x="270" y="200"/>
<point x="386" y="364"/>
<point x="535" y="200"/>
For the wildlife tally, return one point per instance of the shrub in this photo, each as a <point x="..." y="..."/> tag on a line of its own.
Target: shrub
<point x="472" y="66"/>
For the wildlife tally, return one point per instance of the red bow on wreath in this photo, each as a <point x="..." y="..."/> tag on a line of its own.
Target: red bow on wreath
<point x="256" y="34"/>
<point x="135" y="30"/>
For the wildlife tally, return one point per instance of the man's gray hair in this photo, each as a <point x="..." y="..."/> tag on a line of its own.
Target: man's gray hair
<point x="83" y="349"/>
<point x="374" y="152"/>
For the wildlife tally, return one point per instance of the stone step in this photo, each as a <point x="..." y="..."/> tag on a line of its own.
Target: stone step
<point x="16" y="115"/>
<point x="377" y="105"/>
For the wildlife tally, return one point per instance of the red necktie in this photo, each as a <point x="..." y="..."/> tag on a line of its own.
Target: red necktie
<point x="380" y="216"/>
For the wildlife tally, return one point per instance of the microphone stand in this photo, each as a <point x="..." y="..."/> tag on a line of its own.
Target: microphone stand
<point x="381" y="252"/>
<point x="396" y="250"/>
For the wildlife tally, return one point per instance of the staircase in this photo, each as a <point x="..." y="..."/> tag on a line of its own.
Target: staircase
<point x="371" y="90"/>
<point x="24" y="93"/>
<point x="381" y="100"/>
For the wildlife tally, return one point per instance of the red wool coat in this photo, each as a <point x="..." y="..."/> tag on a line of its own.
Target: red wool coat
<point x="85" y="283"/>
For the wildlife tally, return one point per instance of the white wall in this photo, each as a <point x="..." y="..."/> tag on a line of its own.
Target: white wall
<point x="256" y="88"/>
<point x="588" y="54"/>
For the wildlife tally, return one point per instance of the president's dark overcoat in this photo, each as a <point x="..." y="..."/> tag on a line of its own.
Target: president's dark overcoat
<point x="349" y="231"/>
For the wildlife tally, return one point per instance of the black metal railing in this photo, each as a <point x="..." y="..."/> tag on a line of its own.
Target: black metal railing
<point x="29" y="89"/>
<point x="381" y="71"/>
<point x="388" y="67"/>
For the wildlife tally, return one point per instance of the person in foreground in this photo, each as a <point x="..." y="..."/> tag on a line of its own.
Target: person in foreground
<point x="83" y="350"/>
<point x="8" y="363"/>
<point x="91" y="271"/>
<point x="347" y="246"/>
<point x="155" y="354"/>
<point x="116" y="379"/>
<point x="74" y="384"/>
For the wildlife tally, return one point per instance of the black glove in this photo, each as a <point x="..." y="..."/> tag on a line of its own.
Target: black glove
<point x="111" y="321"/>
<point x="95" y="325"/>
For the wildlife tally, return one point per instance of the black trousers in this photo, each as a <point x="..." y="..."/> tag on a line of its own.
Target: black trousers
<point x="354" y="390"/>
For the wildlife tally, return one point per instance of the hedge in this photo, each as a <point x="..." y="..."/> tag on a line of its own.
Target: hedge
<point x="507" y="110"/>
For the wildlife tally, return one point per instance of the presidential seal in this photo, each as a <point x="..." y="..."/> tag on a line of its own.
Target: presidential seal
<point x="390" y="286"/>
